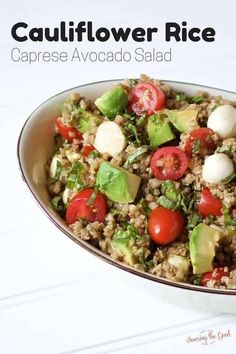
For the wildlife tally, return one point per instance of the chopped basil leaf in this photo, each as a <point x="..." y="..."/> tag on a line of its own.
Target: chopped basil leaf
<point x="197" y="279"/>
<point x="196" y="99"/>
<point x="145" y="206"/>
<point x="196" y="146"/>
<point x="145" y="262"/>
<point x="229" y="178"/>
<point x="214" y="107"/>
<point x="58" y="170"/>
<point x="193" y="220"/>
<point x="93" y="196"/>
<point x="180" y="97"/>
<point x="94" y="154"/>
<point x="166" y="203"/>
<point x="58" y="204"/>
<point x="187" y="202"/>
<point x="211" y="218"/>
<point x="169" y="190"/>
<point x="133" y="82"/>
<point x="130" y="233"/>
<point x="134" y="132"/>
<point x="74" y="179"/>
<point x="228" y="221"/>
<point x="223" y="148"/>
<point x="132" y="158"/>
<point x="116" y="212"/>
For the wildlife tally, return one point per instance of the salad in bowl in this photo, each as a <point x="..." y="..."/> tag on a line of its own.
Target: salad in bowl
<point x="146" y="174"/>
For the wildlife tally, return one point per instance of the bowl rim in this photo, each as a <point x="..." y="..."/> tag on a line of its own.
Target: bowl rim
<point x="85" y="245"/>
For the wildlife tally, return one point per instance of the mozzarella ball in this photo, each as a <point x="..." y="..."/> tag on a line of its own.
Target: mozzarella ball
<point x="223" y="121"/>
<point x="217" y="168"/>
<point x="110" y="139"/>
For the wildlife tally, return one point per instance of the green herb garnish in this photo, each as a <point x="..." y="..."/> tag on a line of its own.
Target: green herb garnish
<point x="196" y="146"/>
<point x="133" y="82"/>
<point x="197" y="279"/>
<point x="94" y="154"/>
<point x="74" y="178"/>
<point x="193" y="220"/>
<point x="166" y="203"/>
<point x="132" y="158"/>
<point x="93" y="196"/>
<point x="170" y="191"/>
<point x="196" y="99"/>
<point x="223" y="148"/>
<point x="145" y="262"/>
<point x="58" y="171"/>
<point x="229" y="178"/>
<point x="134" y="133"/>
<point x="145" y="206"/>
<point x="180" y="97"/>
<point x="228" y="221"/>
<point x="130" y="233"/>
<point x="58" y="204"/>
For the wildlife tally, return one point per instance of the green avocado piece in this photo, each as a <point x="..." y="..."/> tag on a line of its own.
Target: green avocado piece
<point x="185" y="121"/>
<point x="203" y="241"/>
<point x="119" y="185"/>
<point x="122" y="248"/>
<point x="159" y="130"/>
<point x="121" y="243"/>
<point x="86" y="120"/>
<point x="112" y="102"/>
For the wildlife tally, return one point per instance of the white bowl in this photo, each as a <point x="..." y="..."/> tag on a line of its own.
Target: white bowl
<point x="35" y="147"/>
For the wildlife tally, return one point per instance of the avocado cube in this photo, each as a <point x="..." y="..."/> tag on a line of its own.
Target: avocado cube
<point x="185" y="121"/>
<point x="122" y="248"/>
<point x="203" y="241"/>
<point x="112" y="102"/>
<point x="118" y="184"/>
<point x="159" y="130"/>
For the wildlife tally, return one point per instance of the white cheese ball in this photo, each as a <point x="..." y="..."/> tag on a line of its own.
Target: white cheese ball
<point x="110" y="139"/>
<point x="223" y="121"/>
<point x="217" y="168"/>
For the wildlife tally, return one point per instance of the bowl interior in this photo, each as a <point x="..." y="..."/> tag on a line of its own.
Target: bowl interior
<point x="35" y="147"/>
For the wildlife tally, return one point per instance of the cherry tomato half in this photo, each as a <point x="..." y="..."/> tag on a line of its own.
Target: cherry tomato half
<point x="169" y="163"/>
<point x="87" y="149"/>
<point x="165" y="225"/>
<point x="66" y="132"/>
<point x="216" y="275"/>
<point x="200" y="142"/>
<point x="80" y="207"/>
<point x="146" y="98"/>
<point x="209" y="205"/>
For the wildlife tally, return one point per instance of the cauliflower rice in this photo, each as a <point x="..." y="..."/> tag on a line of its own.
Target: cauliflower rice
<point x="145" y="254"/>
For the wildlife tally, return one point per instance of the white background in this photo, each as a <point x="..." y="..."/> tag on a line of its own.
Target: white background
<point x="54" y="297"/>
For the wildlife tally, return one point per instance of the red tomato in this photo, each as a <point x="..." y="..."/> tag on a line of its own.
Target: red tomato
<point x="200" y="142"/>
<point x="79" y="207"/>
<point x="169" y="163"/>
<point x="146" y="98"/>
<point x="66" y="132"/>
<point x="208" y="204"/>
<point x="216" y="276"/>
<point x="165" y="225"/>
<point x="87" y="149"/>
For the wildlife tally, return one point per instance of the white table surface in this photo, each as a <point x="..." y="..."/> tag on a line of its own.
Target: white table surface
<point x="54" y="296"/>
